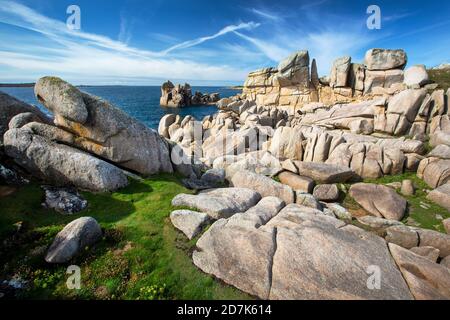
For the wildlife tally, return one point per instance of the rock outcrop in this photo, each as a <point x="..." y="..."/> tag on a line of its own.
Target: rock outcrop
<point x="378" y="200"/>
<point x="181" y="95"/>
<point x="61" y="165"/>
<point x="75" y="237"/>
<point x="11" y="107"/>
<point x="306" y="245"/>
<point x="96" y="126"/>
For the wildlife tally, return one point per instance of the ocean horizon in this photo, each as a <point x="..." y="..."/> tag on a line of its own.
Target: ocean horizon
<point x="140" y="102"/>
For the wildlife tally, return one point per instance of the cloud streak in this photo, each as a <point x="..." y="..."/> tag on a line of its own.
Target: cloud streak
<point x="224" y="31"/>
<point x="79" y="54"/>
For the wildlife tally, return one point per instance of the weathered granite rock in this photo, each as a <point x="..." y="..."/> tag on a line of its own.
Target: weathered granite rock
<point x="324" y="173"/>
<point x="63" y="200"/>
<point x="214" y="177"/>
<point x="296" y="182"/>
<point x="75" y="236"/>
<point x="435" y="172"/>
<point x="441" y="196"/>
<point x="446" y="224"/>
<point x="263" y="185"/>
<point x="378" y="223"/>
<point x="445" y="262"/>
<point x="317" y="258"/>
<point x="22" y="119"/>
<point x="408" y="188"/>
<point x="324" y="258"/>
<point x="258" y="215"/>
<point x="382" y="80"/>
<point x="307" y="200"/>
<point x="59" y="164"/>
<point x="294" y="70"/>
<point x="287" y="143"/>
<point x="379" y="200"/>
<point x="326" y="192"/>
<point x="436" y="240"/>
<point x="164" y="124"/>
<point x="10" y="107"/>
<point x="340" y="72"/>
<point x="11" y="177"/>
<point x="189" y="222"/>
<point x="261" y="162"/>
<point x="416" y="76"/>
<point x="426" y="280"/>
<point x="103" y="129"/>
<point x="441" y="151"/>
<point x="381" y="59"/>
<point x="339" y="211"/>
<point x="219" y="203"/>
<point x="241" y="257"/>
<point x="402" y="111"/>
<point x="403" y="236"/>
<point x="429" y="253"/>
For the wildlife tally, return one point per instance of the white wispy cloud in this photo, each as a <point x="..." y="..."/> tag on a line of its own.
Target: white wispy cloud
<point x="82" y="55"/>
<point x="265" y="14"/>
<point x="224" y="31"/>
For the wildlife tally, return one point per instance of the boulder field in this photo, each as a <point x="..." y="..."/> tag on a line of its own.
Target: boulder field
<point x="270" y="172"/>
<point x="303" y="144"/>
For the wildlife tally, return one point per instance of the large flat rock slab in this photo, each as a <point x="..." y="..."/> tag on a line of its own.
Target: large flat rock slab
<point x="427" y="280"/>
<point x="379" y="200"/>
<point x="219" y="203"/>
<point x="265" y="186"/>
<point x="324" y="173"/>
<point x="299" y="253"/>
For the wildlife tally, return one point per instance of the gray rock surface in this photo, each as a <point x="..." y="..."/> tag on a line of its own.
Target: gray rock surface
<point x="426" y="280"/>
<point x="379" y="200"/>
<point x="10" y="107"/>
<point x="59" y="164"/>
<point x="189" y="222"/>
<point x="265" y="186"/>
<point x="441" y="196"/>
<point x="324" y="173"/>
<point x="296" y="182"/>
<point x="382" y="59"/>
<point x="219" y="203"/>
<point x="326" y="192"/>
<point x="75" y="236"/>
<point x="63" y="200"/>
<point x="102" y="129"/>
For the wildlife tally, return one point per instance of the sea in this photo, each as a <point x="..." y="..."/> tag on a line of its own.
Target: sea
<point x="140" y="102"/>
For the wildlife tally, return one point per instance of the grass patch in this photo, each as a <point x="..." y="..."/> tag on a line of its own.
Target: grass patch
<point x="441" y="77"/>
<point x="422" y="212"/>
<point x="140" y="257"/>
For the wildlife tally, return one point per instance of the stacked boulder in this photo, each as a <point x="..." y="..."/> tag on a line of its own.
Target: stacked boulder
<point x="89" y="143"/>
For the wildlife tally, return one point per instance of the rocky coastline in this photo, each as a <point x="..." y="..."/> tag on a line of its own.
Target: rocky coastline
<point x="283" y="202"/>
<point x="178" y="96"/>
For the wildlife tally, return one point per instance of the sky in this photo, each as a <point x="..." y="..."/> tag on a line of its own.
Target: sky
<point x="134" y="42"/>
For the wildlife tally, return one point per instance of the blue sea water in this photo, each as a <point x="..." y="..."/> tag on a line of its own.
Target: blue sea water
<point x="140" y="102"/>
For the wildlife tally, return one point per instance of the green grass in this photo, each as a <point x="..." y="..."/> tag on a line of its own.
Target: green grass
<point x="441" y="77"/>
<point x="140" y="257"/>
<point x="416" y="215"/>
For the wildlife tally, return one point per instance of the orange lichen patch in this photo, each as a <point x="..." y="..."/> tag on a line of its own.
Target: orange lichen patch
<point x="90" y="146"/>
<point x="74" y="127"/>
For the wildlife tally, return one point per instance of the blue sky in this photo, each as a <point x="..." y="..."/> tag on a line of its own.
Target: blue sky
<point x="206" y="42"/>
